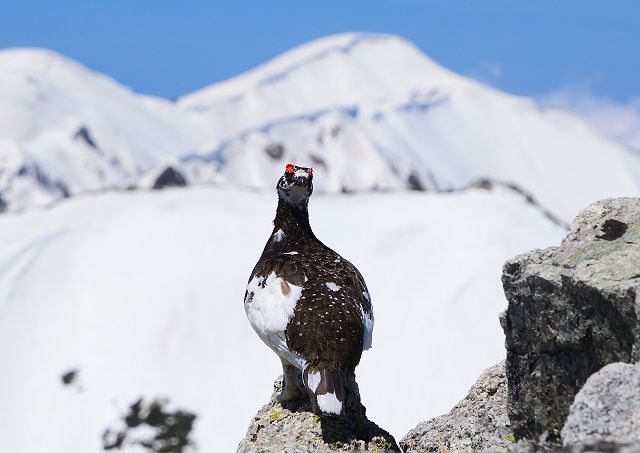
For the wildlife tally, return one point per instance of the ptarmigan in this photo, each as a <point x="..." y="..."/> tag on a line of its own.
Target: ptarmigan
<point x="308" y="304"/>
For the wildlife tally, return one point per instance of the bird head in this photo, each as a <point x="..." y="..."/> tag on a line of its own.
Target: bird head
<point x="296" y="185"/>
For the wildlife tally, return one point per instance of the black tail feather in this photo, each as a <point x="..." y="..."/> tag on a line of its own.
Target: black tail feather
<point x="327" y="391"/>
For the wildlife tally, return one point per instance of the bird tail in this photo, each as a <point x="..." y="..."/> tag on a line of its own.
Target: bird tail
<point x="327" y="391"/>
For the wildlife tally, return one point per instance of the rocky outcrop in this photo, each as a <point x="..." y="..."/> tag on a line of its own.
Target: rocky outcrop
<point x="572" y="310"/>
<point x="292" y="427"/>
<point x="528" y="446"/>
<point x="477" y="423"/>
<point x="149" y="426"/>
<point x="605" y="417"/>
<point x="170" y="177"/>
<point x="607" y="408"/>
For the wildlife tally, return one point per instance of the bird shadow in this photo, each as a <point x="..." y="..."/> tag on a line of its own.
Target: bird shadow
<point x="349" y="430"/>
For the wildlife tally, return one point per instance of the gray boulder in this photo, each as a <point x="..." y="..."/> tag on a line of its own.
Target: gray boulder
<point x="607" y="408"/>
<point x="477" y="423"/>
<point x="528" y="446"/>
<point x="572" y="309"/>
<point x="292" y="427"/>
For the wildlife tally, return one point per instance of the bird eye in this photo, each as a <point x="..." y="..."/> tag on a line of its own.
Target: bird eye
<point x="289" y="168"/>
<point x="310" y="171"/>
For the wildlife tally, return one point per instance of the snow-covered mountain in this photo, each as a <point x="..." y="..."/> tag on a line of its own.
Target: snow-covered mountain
<point x="65" y="129"/>
<point x="374" y="112"/>
<point x="368" y="111"/>
<point x="140" y="293"/>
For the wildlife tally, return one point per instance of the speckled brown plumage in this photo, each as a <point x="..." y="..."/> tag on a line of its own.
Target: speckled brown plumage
<point x="327" y="326"/>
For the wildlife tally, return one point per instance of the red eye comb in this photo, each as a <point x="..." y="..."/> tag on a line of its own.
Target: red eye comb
<point x="289" y="168"/>
<point x="310" y="170"/>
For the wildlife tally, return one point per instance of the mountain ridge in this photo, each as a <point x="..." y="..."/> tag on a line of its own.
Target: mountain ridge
<point x="431" y="129"/>
<point x="370" y="111"/>
<point x="279" y="67"/>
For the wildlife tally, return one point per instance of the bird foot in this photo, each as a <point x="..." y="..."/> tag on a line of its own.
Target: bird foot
<point x="289" y="394"/>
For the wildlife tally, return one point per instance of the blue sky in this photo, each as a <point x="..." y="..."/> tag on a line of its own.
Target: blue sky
<point x="169" y="48"/>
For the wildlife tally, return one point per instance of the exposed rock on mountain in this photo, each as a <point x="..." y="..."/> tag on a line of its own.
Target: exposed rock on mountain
<point x="477" y="423"/>
<point x="65" y="129"/>
<point x="170" y="177"/>
<point x="572" y="310"/>
<point x="151" y="427"/>
<point x="292" y="427"/>
<point x="607" y="408"/>
<point x="382" y="115"/>
<point x="372" y="111"/>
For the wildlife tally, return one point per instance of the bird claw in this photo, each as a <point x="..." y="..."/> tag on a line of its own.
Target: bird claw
<point x="289" y="395"/>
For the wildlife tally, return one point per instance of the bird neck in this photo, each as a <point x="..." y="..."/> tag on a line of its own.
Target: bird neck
<point x="293" y="220"/>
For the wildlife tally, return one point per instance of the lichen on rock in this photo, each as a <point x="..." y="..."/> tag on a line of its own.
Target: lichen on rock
<point x="291" y="427"/>
<point x="572" y="310"/>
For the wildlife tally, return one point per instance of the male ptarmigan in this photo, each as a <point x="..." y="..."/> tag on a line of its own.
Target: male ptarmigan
<point x="308" y="304"/>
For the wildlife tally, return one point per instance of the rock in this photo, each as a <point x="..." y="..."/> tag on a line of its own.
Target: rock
<point x="522" y="446"/>
<point x="275" y="150"/>
<point x="292" y="427"/>
<point x="477" y="423"/>
<point x="572" y="309"/>
<point x="69" y="376"/>
<point x="607" y="408"/>
<point x="170" y="177"/>
<point x="151" y="427"/>
<point x="528" y="446"/>
<point x="84" y="135"/>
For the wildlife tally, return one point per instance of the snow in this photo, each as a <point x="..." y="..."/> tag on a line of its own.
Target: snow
<point x="142" y="293"/>
<point x="368" y="111"/>
<point x="374" y="112"/>
<point x="80" y="129"/>
<point x="330" y="65"/>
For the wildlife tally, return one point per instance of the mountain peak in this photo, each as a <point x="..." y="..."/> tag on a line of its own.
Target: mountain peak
<point x="39" y="62"/>
<point x="374" y="112"/>
<point x="368" y="111"/>
<point x="344" y="64"/>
